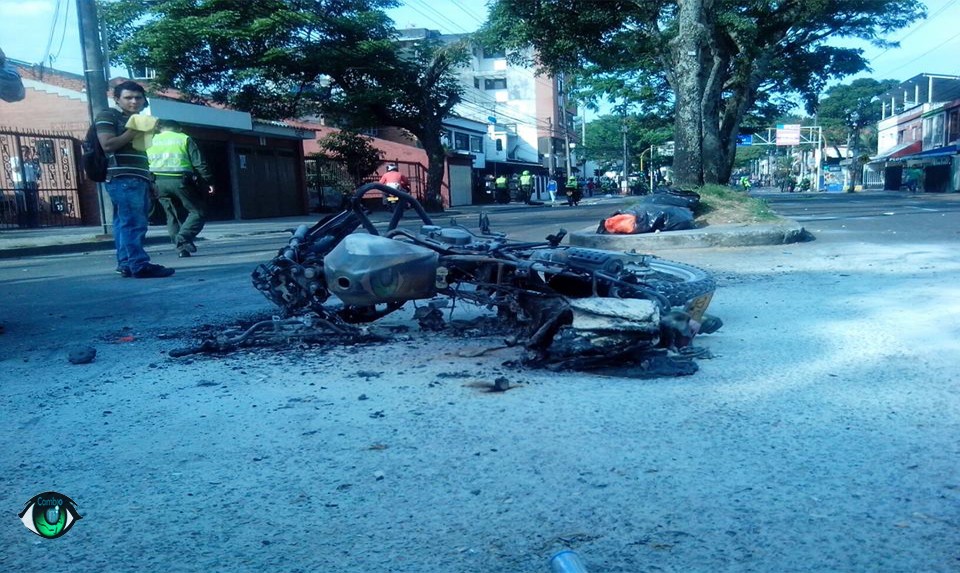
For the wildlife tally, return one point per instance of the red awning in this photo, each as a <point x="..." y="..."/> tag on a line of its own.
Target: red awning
<point x="898" y="151"/>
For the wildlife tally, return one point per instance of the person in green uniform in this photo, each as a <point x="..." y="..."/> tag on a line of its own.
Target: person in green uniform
<point x="503" y="190"/>
<point x="183" y="181"/>
<point x="573" y="191"/>
<point x="526" y="186"/>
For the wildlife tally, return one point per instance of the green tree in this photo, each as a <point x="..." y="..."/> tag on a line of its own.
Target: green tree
<point x="290" y="58"/>
<point x="718" y="57"/>
<point x="605" y="138"/>
<point x="356" y="151"/>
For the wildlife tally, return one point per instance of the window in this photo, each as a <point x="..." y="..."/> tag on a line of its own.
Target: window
<point x="492" y="53"/>
<point x="953" y="126"/>
<point x="142" y="73"/>
<point x="476" y="83"/>
<point x="495" y="84"/>
<point x="937" y="138"/>
<point x="927" y="132"/>
<point x="461" y="141"/>
<point x="476" y="144"/>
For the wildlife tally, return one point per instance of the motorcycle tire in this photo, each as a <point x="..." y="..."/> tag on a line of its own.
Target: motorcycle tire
<point x="680" y="283"/>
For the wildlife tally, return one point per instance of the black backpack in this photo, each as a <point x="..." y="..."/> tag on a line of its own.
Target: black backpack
<point x="94" y="160"/>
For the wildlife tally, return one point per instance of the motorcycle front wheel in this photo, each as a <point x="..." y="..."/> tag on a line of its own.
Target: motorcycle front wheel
<point x="679" y="283"/>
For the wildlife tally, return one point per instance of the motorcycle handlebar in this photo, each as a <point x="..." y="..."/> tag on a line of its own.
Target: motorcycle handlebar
<point x="404" y="197"/>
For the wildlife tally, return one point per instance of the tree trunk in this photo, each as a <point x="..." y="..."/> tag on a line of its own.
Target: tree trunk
<point x="743" y="94"/>
<point x="436" y="162"/>
<point x="690" y="52"/>
<point x="713" y="150"/>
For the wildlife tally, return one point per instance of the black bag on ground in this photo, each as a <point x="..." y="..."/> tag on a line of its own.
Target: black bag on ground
<point x="94" y="159"/>
<point x="675" y="197"/>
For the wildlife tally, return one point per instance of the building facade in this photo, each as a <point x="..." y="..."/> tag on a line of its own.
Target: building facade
<point x="258" y="166"/>
<point x="918" y="136"/>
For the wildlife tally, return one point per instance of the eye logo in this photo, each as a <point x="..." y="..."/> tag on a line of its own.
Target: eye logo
<point x="49" y="514"/>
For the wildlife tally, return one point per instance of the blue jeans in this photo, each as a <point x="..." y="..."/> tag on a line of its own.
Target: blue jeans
<point x="131" y="205"/>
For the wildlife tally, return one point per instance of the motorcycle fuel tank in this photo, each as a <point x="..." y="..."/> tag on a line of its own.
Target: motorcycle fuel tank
<point x="368" y="269"/>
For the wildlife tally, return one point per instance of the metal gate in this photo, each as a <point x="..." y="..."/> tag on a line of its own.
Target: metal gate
<point x="40" y="180"/>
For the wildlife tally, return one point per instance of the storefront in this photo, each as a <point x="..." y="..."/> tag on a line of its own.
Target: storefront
<point x="940" y="168"/>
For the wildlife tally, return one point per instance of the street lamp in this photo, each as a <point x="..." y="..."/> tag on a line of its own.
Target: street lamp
<point x="650" y="149"/>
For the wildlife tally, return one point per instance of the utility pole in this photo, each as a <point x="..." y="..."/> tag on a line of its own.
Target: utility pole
<point x="625" y="182"/>
<point x="96" y="80"/>
<point x="553" y="148"/>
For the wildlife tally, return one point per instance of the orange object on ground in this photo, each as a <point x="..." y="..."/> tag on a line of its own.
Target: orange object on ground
<point x="622" y="224"/>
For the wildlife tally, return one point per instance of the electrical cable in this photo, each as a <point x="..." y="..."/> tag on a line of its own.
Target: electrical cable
<point x="427" y="17"/>
<point x="478" y="19"/>
<point x="929" y="19"/>
<point x="935" y="48"/>
<point x="456" y="25"/>
<point x="63" y="32"/>
<point x="53" y="31"/>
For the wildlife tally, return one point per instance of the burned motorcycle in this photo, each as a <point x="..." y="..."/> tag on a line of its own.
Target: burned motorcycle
<point x="567" y="305"/>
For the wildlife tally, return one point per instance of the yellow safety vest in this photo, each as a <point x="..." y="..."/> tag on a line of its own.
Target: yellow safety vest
<point x="168" y="154"/>
<point x="526" y="179"/>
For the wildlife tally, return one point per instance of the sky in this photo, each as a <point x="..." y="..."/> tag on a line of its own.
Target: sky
<point x="38" y="30"/>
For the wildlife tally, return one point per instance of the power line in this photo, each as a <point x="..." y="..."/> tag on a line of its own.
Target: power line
<point x="479" y="20"/>
<point x="53" y="31"/>
<point x="935" y="48"/>
<point x="432" y="19"/>
<point x="930" y="18"/>
<point x="433" y="10"/>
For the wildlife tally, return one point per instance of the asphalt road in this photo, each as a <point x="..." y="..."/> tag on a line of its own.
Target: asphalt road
<point x="820" y="437"/>
<point x="882" y="217"/>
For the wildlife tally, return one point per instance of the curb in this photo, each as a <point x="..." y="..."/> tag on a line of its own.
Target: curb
<point x="713" y="236"/>
<point x="97" y="243"/>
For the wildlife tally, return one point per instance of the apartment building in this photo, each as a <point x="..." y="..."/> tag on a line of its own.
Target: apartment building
<point x="919" y="130"/>
<point x="511" y="118"/>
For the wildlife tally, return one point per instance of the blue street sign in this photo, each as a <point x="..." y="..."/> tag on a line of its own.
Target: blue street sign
<point x="744" y="140"/>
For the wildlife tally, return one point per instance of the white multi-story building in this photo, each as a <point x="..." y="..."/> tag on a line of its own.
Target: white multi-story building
<point x="528" y="125"/>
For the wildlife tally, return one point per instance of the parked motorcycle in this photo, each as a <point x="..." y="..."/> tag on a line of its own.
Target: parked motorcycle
<point x="567" y="304"/>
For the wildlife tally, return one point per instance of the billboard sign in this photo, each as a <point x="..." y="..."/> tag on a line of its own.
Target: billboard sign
<point x="788" y="134"/>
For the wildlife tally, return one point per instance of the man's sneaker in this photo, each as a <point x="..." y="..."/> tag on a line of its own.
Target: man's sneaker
<point x="183" y="254"/>
<point x="123" y="272"/>
<point x="187" y="246"/>
<point x="152" y="271"/>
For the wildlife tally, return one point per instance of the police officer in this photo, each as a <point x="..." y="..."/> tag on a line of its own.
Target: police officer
<point x="526" y="186"/>
<point x="503" y="191"/>
<point x="182" y="180"/>
<point x="573" y="191"/>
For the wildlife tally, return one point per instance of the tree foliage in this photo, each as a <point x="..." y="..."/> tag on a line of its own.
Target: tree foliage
<point x="850" y="110"/>
<point x="605" y="138"/>
<point x="719" y="59"/>
<point x="291" y="58"/>
<point x="355" y="150"/>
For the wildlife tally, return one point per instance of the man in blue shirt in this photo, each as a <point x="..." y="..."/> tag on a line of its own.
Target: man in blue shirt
<point x="11" y="86"/>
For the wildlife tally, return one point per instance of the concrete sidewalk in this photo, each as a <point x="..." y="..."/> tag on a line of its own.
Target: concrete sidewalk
<point x="57" y="240"/>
